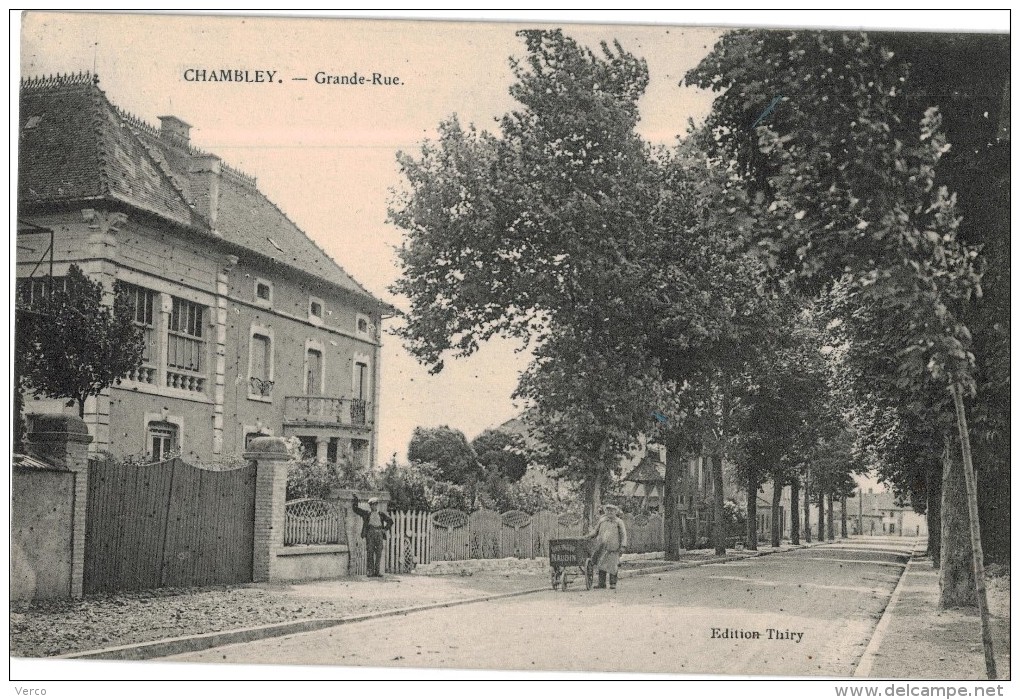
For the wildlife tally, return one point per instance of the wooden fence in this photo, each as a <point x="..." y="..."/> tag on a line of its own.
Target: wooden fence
<point x="451" y="535"/>
<point x="167" y="524"/>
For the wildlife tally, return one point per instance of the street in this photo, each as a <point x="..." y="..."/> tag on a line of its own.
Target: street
<point x="804" y="612"/>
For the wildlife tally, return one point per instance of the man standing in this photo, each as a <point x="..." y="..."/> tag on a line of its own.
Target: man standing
<point x="610" y="535"/>
<point x="374" y="525"/>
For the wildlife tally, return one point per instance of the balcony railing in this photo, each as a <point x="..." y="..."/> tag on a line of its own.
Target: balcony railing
<point x="331" y="410"/>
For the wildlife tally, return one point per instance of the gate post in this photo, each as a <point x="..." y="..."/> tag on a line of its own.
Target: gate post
<point x="271" y="457"/>
<point x="63" y="441"/>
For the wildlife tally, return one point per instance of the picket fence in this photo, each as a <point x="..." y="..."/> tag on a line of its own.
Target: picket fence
<point x="418" y="537"/>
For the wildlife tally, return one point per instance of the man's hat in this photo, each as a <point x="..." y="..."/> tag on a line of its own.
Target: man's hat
<point x="610" y="508"/>
<point x="373" y="501"/>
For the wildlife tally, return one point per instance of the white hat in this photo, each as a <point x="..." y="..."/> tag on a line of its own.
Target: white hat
<point x="373" y="501"/>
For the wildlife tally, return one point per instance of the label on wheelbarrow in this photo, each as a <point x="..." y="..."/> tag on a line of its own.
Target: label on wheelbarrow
<point x="563" y="554"/>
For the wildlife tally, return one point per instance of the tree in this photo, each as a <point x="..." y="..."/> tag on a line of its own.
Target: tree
<point x="74" y="346"/>
<point x="448" y="450"/>
<point x="536" y="234"/>
<point x="418" y="487"/>
<point x="502" y="454"/>
<point x="709" y="318"/>
<point x="589" y="404"/>
<point x="900" y="441"/>
<point x="848" y="178"/>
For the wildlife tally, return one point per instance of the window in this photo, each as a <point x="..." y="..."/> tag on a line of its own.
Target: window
<point x="185" y="346"/>
<point x="143" y="302"/>
<point x="162" y="440"/>
<point x="359" y="404"/>
<point x="315" y="310"/>
<point x="261" y="372"/>
<point x="364" y="326"/>
<point x="360" y="380"/>
<point x="263" y="292"/>
<point x="313" y="362"/>
<point x="32" y="292"/>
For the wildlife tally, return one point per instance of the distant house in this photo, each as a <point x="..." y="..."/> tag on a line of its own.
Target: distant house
<point x="873" y="513"/>
<point x="250" y="328"/>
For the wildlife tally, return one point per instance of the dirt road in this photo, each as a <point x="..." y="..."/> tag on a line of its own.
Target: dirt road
<point x="807" y="612"/>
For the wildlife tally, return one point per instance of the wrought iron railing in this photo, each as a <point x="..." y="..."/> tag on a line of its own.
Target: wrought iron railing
<point x="331" y="410"/>
<point x="314" y="521"/>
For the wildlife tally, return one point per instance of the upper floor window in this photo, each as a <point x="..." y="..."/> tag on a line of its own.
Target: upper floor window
<point x="185" y="345"/>
<point x="364" y="326"/>
<point x="313" y="367"/>
<point x="360" y="380"/>
<point x="261" y="364"/>
<point x="33" y="292"/>
<point x="142" y="303"/>
<point x="263" y="292"/>
<point x="315" y="310"/>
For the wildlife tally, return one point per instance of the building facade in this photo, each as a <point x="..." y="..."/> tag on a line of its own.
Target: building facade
<point x="249" y="327"/>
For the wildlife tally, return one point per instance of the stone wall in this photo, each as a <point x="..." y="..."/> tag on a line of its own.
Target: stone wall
<point x="49" y="487"/>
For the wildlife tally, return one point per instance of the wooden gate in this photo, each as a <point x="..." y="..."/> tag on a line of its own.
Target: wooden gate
<point x="167" y="524"/>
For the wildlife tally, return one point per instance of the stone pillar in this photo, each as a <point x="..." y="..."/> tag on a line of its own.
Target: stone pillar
<point x="220" y="349"/>
<point x="63" y="441"/>
<point x="271" y="459"/>
<point x="321" y="449"/>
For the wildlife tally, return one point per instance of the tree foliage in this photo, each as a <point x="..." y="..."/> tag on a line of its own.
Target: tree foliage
<point x="448" y="450"/>
<point x="502" y="454"/>
<point x="536" y="234"/>
<point x="73" y="346"/>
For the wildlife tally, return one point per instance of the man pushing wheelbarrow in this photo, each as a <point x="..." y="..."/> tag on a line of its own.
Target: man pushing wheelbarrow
<point x="610" y="539"/>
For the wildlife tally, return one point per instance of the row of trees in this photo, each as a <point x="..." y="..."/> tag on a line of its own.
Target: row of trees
<point x="807" y="286"/>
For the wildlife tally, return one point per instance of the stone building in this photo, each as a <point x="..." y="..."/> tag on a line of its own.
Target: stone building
<point x="250" y="328"/>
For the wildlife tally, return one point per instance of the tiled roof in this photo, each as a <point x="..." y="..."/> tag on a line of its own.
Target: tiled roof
<point x="75" y="145"/>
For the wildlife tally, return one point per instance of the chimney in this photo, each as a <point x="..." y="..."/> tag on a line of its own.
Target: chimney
<point x="204" y="178"/>
<point x="175" y="130"/>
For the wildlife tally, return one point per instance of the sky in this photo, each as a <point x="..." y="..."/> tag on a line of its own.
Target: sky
<point x="326" y="155"/>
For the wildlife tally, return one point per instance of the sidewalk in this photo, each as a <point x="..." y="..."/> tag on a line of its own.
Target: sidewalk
<point x="921" y="642"/>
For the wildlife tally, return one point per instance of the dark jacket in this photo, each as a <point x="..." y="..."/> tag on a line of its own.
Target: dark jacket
<point x="386" y="520"/>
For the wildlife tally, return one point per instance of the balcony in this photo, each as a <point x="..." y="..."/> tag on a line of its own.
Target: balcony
<point x="327" y="411"/>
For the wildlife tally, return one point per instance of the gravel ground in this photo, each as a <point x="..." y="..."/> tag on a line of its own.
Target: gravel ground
<point x="41" y="629"/>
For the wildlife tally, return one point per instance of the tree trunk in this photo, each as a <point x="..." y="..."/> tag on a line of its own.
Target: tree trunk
<point x="794" y="511"/>
<point x="752" y="514"/>
<point x="777" y="516"/>
<point x="831" y="531"/>
<point x="592" y="488"/>
<point x="672" y="531"/>
<point x="807" y="507"/>
<point x="821" y="516"/>
<point x="934" y="514"/>
<point x="975" y="530"/>
<point x="718" y="509"/>
<point x="956" y="575"/>
<point x="842" y="516"/>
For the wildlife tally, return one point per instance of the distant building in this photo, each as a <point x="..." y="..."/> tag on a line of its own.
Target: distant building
<point x="871" y="513"/>
<point x="249" y="326"/>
